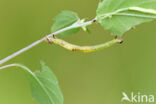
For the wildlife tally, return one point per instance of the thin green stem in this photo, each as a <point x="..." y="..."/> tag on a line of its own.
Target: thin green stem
<point x="16" y="65"/>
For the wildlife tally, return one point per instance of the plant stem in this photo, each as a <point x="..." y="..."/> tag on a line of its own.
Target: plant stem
<point x="20" y="51"/>
<point x="17" y="65"/>
<point x="75" y="25"/>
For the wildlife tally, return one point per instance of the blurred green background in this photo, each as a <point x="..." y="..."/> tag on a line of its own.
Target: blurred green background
<point x="85" y="78"/>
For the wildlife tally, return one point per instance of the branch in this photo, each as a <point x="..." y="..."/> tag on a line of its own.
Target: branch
<point x="76" y="25"/>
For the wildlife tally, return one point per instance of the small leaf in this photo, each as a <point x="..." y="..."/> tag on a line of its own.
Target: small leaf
<point x="119" y="16"/>
<point x="88" y="31"/>
<point x="84" y="28"/>
<point x="65" y="19"/>
<point x="44" y="86"/>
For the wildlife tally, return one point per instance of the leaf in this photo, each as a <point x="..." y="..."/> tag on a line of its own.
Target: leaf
<point x="88" y="31"/>
<point x="44" y="86"/>
<point x="65" y="19"/>
<point x="84" y="28"/>
<point x="119" y="16"/>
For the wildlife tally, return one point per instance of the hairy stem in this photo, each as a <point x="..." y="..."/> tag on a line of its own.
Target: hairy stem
<point x="76" y="25"/>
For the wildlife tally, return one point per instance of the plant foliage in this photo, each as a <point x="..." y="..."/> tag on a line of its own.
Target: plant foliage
<point x="119" y="16"/>
<point x="65" y="19"/>
<point x="44" y="86"/>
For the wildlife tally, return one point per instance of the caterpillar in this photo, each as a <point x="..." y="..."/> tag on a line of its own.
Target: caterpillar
<point x="73" y="47"/>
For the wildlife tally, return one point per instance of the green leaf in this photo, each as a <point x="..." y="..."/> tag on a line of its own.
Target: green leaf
<point x="119" y="16"/>
<point x="84" y="28"/>
<point x="88" y="31"/>
<point x="65" y="19"/>
<point x="44" y="86"/>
